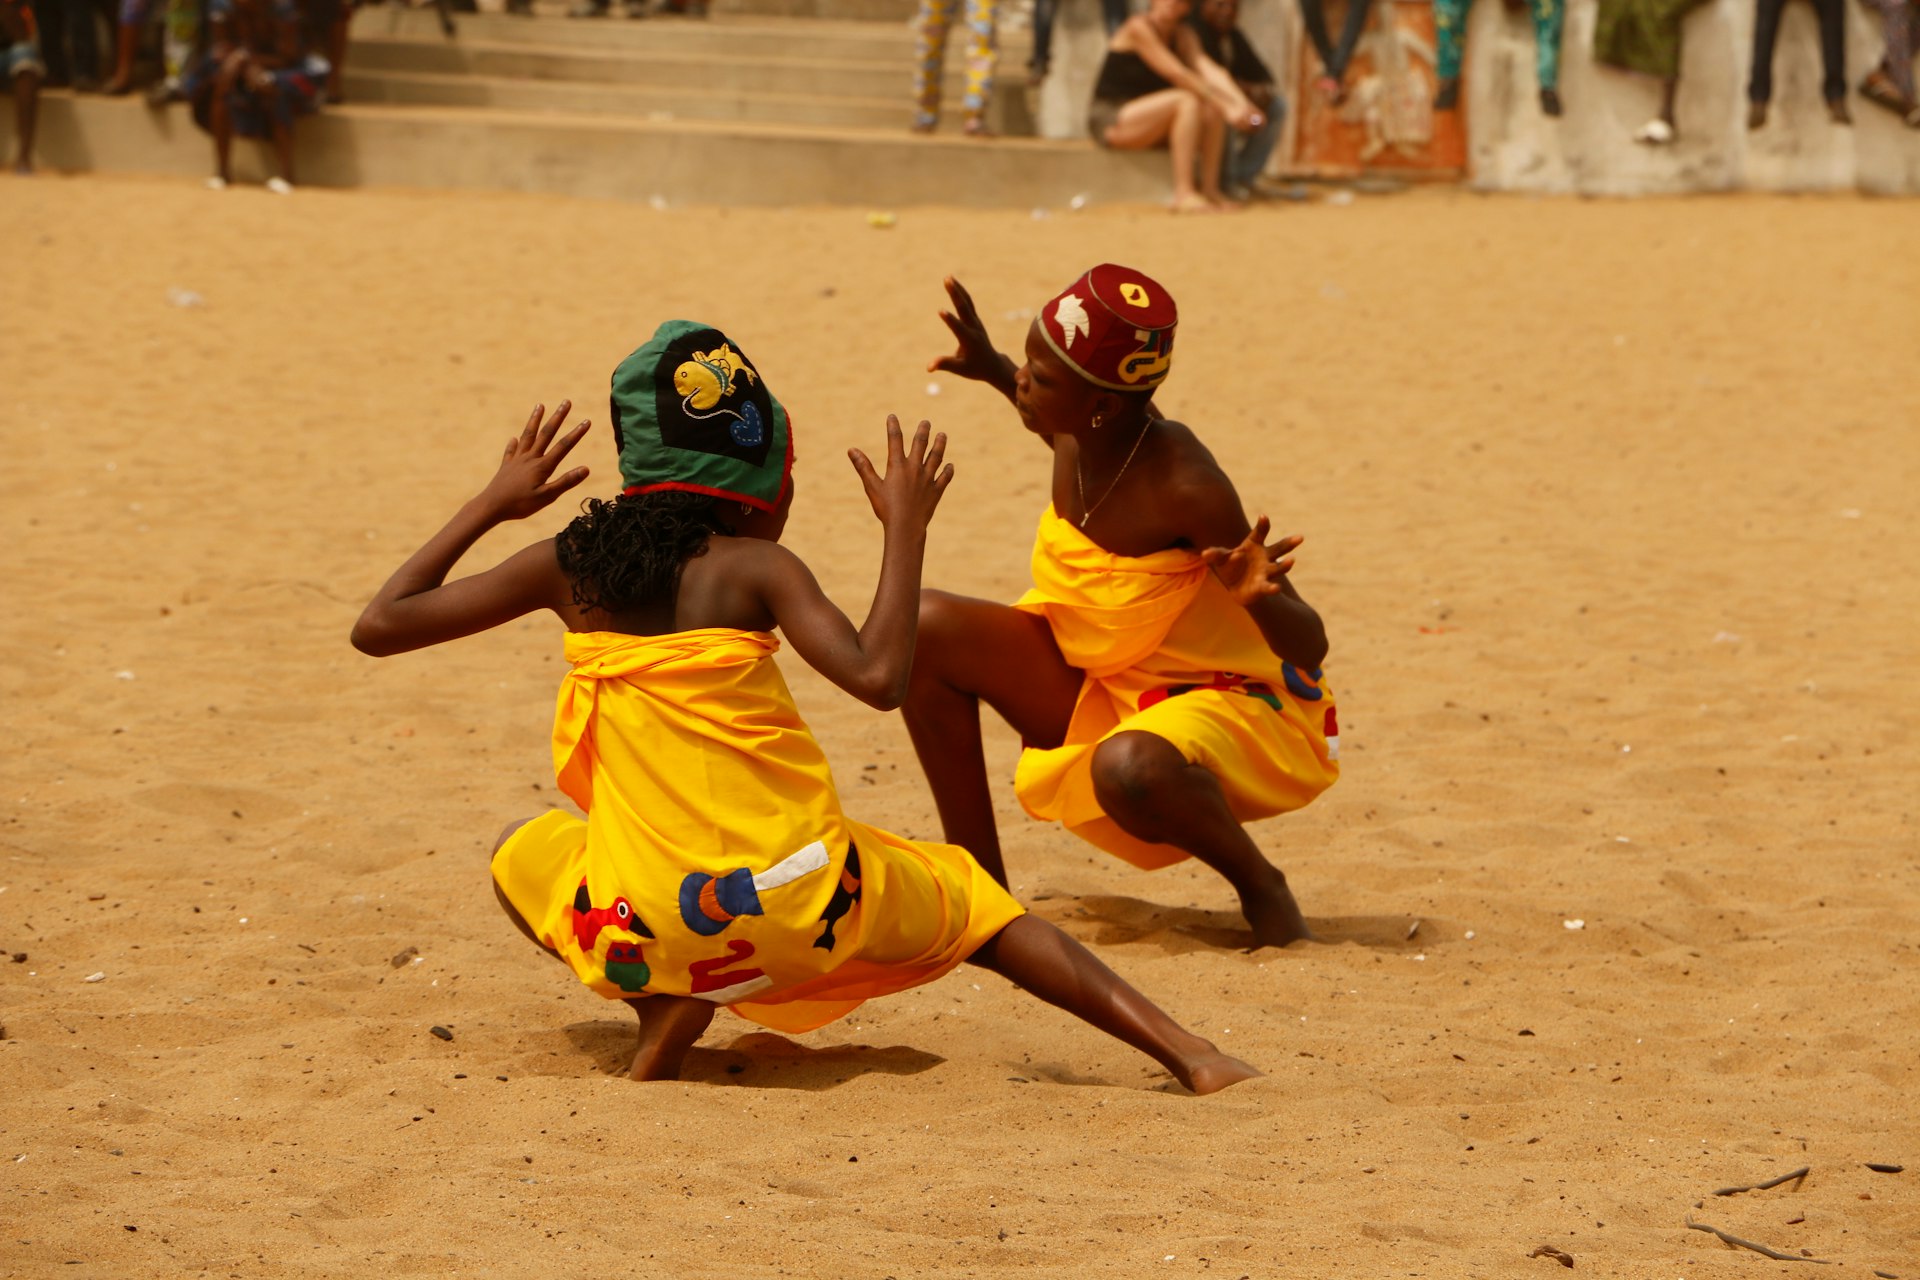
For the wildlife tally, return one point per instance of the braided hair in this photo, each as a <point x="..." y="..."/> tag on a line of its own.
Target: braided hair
<point x="628" y="552"/>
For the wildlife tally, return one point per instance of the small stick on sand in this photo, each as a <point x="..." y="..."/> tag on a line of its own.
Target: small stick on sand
<point x="1757" y="1248"/>
<point x="1768" y="1185"/>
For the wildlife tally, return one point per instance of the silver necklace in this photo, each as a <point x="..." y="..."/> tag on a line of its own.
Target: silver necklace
<point x="1080" y="480"/>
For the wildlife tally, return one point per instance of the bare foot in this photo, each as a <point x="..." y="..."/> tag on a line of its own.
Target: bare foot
<point x="1192" y="203"/>
<point x="1211" y="1071"/>
<point x="669" y="1025"/>
<point x="1275" y="918"/>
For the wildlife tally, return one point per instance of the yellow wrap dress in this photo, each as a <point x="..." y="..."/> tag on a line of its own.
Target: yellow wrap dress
<point x="715" y="860"/>
<point x="1167" y="650"/>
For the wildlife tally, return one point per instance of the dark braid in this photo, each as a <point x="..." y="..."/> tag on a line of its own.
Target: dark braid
<point x="629" y="552"/>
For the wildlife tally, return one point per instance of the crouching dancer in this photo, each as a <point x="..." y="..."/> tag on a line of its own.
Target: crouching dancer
<point x="715" y="866"/>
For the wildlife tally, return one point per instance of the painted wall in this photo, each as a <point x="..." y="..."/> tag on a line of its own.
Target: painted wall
<point x="1590" y="149"/>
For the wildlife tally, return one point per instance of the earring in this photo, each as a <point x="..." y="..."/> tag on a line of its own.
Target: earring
<point x="1096" y="422"/>
<point x="746" y="509"/>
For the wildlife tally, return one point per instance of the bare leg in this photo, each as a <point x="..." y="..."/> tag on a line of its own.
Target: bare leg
<point x="1183" y="142"/>
<point x="220" y="124"/>
<point x="668" y="1027"/>
<point x="1213" y="140"/>
<point x="283" y="144"/>
<point x="1172" y="116"/>
<point x="126" y="44"/>
<point x="1669" y="90"/>
<point x="1146" y="786"/>
<point x="971" y="651"/>
<point x="1049" y="964"/>
<point x="26" y="108"/>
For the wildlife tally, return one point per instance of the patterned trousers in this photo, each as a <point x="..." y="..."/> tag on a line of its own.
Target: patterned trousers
<point x="1450" y="37"/>
<point x="983" y="49"/>
<point x="1900" y="20"/>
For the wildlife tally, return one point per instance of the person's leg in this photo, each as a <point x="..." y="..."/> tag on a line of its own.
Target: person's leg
<point x="1177" y="118"/>
<point x="1833" y="57"/>
<point x="1212" y="147"/>
<point x="1549" y="18"/>
<point x="930" y="61"/>
<point x="283" y="144"/>
<point x="1766" y="30"/>
<point x="1146" y="786"/>
<point x="1449" y="42"/>
<point x="1314" y="14"/>
<point x="969" y="652"/>
<point x="1249" y="158"/>
<point x="26" y="113"/>
<point x="1043" y="14"/>
<point x="1038" y="957"/>
<point x="669" y="1026"/>
<point x="1350" y="33"/>
<point x="220" y="124"/>
<point x="133" y="13"/>
<point x="84" y="40"/>
<point x="983" y="51"/>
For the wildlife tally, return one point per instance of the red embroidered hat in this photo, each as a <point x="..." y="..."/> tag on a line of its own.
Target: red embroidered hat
<point x="1114" y="327"/>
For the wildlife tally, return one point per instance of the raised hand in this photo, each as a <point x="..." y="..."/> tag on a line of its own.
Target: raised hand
<point x="975" y="356"/>
<point x="523" y="485"/>
<point x="1252" y="569"/>
<point x="906" y="496"/>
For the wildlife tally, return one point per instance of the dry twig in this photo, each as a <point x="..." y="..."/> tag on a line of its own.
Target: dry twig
<point x="1768" y="1185"/>
<point x="1757" y="1248"/>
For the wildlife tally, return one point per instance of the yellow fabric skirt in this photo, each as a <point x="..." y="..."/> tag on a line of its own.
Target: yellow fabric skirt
<point x="1167" y="651"/>
<point x="715" y="861"/>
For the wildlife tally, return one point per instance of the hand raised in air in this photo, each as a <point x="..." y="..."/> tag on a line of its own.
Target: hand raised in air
<point x="907" y="495"/>
<point x="975" y="357"/>
<point x="1252" y="569"/>
<point x="522" y="485"/>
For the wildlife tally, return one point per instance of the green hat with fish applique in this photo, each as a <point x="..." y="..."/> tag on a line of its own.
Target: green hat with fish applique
<point x="691" y="413"/>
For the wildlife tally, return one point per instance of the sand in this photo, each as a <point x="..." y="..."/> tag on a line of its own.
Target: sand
<point x="1610" y="511"/>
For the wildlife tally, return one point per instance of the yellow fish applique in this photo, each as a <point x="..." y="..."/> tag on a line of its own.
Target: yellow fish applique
<point x="709" y="376"/>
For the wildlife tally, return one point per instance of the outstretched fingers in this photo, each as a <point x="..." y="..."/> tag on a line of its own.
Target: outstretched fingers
<point x="545" y="435"/>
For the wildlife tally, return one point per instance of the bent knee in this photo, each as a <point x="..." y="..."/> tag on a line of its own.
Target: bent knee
<point x="506" y="834"/>
<point x="1129" y="768"/>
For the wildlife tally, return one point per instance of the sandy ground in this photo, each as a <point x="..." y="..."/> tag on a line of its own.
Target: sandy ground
<point x="1611" y="512"/>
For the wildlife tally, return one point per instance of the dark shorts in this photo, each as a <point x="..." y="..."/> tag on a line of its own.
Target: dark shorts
<point x="1101" y="113"/>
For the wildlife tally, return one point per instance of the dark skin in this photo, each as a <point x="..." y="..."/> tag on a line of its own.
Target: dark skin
<point x="246" y="51"/>
<point x="1171" y="495"/>
<point x="749" y="582"/>
<point x="15" y="29"/>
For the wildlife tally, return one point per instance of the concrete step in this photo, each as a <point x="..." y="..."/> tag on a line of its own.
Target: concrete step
<point x="716" y="37"/>
<point x="414" y="88"/>
<point x="749" y="82"/>
<point x="668" y="163"/>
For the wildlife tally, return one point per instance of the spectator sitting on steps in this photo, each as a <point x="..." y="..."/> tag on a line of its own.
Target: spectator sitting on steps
<point x="1158" y="87"/>
<point x="257" y="79"/>
<point x="1244" y="155"/>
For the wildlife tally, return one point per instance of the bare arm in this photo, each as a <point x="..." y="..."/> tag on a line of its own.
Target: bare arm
<point x="874" y="662"/>
<point x="417" y="607"/>
<point x="1209" y="515"/>
<point x="975" y="358"/>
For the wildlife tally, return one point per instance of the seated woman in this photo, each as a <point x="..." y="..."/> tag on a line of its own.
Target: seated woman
<point x="258" y="77"/>
<point x="1157" y="87"/>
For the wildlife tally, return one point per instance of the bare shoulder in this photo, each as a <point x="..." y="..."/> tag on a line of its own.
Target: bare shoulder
<point x="1195" y="498"/>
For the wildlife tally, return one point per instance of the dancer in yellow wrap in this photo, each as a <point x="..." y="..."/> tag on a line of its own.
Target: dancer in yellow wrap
<point x="714" y="865"/>
<point x="1163" y="672"/>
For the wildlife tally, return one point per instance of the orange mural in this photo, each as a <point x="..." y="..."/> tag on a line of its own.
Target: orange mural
<point x="1386" y="123"/>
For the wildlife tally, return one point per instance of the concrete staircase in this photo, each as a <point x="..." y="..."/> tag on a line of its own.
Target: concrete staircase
<point x="757" y="104"/>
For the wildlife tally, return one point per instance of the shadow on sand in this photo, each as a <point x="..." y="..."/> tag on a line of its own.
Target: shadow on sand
<point x="1108" y="920"/>
<point x="758" y="1058"/>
